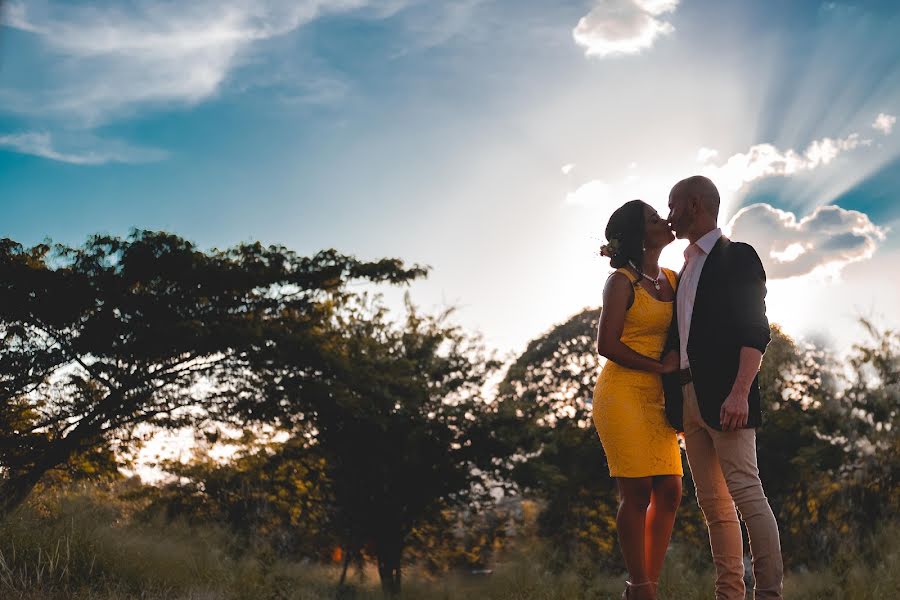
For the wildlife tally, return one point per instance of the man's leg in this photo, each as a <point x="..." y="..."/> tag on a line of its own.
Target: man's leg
<point x="715" y="502"/>
<point x="737" y="457"/>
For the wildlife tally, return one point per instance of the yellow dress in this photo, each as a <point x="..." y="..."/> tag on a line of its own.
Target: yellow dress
<point x="629" y="407"/>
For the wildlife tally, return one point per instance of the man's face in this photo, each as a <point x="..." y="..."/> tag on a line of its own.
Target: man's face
<point x="680" y="219"/>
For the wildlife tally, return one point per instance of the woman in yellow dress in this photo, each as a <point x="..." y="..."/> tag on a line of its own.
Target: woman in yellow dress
<point x="629" y="408"/>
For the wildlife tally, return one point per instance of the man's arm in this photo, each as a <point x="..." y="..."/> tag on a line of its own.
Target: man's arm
<point x="748" y="298"/>
<point x="735" y="410"/>
<point x="748" y="302"/>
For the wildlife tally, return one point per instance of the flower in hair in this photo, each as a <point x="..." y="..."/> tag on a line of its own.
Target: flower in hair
<point x="610" y="249"/>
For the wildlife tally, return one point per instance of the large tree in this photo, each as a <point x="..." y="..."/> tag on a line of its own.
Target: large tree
<point x="398" y="415"/>
<point x="100" y="338"/>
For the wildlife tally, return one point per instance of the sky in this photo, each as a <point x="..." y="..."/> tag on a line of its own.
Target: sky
<point x="488" y="139"/>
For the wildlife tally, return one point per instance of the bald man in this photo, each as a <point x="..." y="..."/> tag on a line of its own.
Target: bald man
<point x="721" y="331"/>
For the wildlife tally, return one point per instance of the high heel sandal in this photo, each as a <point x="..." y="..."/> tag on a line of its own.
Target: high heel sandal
<point x="633" y="586"/>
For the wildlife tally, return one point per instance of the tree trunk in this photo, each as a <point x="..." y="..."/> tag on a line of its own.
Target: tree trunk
<point x="13" y="493"/>
<point x="389" y="553"/>
<point x="344" y="570"/>
<point x="15" y="490"/>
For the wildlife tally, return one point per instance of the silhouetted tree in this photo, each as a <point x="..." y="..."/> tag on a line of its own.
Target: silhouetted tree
<point x="100" y="338"/>
<point x="838" y="505"/>
<point x="828" y="450"/>
<point x="398" y="416"/>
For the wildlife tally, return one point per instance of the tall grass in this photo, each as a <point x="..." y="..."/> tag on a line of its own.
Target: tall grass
<point x="87" y="544"/>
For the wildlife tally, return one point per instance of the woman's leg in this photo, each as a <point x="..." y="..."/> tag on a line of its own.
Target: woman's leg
<point x="664" y="500"/>
<point x="634" y="497"/>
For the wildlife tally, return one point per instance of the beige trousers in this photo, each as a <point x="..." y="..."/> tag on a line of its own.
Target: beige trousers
<point x="725" y="473"/>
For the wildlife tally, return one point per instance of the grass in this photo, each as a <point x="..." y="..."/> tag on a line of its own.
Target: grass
<point x="87" y="545"/>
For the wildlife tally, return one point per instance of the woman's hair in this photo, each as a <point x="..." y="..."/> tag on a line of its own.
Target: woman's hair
<point x="625" y="233"/>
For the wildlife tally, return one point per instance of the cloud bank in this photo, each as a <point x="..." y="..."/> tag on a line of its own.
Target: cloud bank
<point x="765" y="160"/>
<point x="828" y="239"/>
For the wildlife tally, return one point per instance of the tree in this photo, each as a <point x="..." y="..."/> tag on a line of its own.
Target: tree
<point x="464" y="539"/>
<point x="846" y="503"/>
<point x="396" y="413"/>
<point x="828" y="450"/>
<point x="829" y="459"/>
<point x="549" y="389"/>
<point x="148" y="329"/>
<point x="272" y="495"/>
<point x="802" y="414"/>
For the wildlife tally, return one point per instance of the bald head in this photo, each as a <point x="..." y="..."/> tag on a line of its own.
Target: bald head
<point x="693" y="207"/>
<point x="703" y="189"/>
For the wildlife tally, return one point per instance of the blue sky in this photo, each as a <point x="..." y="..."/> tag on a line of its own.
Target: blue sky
<point x="489" y="139"/>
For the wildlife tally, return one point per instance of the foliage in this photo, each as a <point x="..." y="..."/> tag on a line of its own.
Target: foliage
<point x="463" y="539"/>
<point x="396" y="449"/>
<point x="846" y="493"/>
<point x="828" y="457"/>
<point x="396" y="412"/>
<point x="269" y="495"/>
<point x="549" y="389"/>
<point x="148" y="329"/>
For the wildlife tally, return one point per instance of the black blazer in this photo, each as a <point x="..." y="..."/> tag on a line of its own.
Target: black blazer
<point x="729" y="313"/>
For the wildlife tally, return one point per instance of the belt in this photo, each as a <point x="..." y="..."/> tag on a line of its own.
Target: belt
<point x="685" y="376"/>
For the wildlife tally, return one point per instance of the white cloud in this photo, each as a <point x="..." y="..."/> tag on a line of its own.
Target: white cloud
<point x="884" y="123"/>
<point x="826" y="240"/>
<point x="592" y="193"/>
<point x="706" y="154"/>
<point x="566" y="169"/>
<point x="623" y="26"/>
<point x="765" y="160"/>
<point x="657" y="7"/>
<point x="99" y="152"/>
<point x="113" y="58"/>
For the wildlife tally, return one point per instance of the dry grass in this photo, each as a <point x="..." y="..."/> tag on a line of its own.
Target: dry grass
<point x="84" y="546"/>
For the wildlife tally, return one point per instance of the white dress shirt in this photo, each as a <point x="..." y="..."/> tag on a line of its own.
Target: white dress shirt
<point x="694" y="256"/>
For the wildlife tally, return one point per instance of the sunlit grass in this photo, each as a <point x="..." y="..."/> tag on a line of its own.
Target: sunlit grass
<point x="86" y="545"/>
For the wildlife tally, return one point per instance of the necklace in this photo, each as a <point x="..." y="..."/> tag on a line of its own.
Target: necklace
<point x="654" y="281"/>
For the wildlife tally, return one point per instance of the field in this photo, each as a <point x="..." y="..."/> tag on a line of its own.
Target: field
<point x="83" y="544"/>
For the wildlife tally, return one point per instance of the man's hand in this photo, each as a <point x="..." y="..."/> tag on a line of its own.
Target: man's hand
<point x="735" y="410"/>
<point x="671" y="362"/>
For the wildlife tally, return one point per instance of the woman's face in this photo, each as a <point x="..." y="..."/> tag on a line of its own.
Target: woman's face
<point x="656" y="230"/>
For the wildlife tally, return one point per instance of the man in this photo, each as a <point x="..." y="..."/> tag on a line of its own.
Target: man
<point x="721" y="330"/>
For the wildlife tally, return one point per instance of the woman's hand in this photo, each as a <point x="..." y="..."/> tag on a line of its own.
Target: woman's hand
<point x="671" y="362"/>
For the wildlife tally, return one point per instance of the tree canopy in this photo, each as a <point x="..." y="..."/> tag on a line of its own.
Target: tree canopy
<point x="99" y="338"/>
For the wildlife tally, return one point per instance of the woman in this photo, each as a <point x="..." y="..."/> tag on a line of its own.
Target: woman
<point x="641" y="447"/>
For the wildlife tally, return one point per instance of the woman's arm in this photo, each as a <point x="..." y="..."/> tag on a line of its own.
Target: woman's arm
<point x="618" y="295"/>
